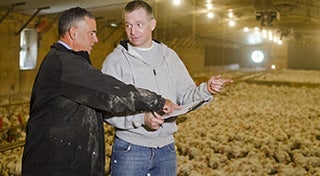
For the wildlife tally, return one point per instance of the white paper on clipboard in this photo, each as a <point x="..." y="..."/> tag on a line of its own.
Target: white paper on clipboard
<point x="186" y="108"/>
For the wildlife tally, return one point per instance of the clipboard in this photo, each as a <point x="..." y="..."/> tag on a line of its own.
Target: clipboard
<point x="187" y="108"/>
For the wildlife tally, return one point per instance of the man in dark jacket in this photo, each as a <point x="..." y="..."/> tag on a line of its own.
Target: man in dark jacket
<point x="65" y="134"/>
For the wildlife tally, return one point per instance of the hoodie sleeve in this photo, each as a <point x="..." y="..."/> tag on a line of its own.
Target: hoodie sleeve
<point x="186" y="89"/>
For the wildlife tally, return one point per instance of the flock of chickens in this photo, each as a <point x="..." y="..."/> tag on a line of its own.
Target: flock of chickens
<point x="265" y="123"/>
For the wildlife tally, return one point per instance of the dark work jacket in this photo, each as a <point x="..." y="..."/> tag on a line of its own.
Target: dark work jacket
<point x="65" y="135"/>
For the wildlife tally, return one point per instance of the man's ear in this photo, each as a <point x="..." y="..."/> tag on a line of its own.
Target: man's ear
<point x="72" y="32"/>
<point x="153" y="24"/>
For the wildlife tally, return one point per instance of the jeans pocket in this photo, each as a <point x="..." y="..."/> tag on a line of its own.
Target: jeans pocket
<point x="172" y="147"/>
<point x="121" y="145"/>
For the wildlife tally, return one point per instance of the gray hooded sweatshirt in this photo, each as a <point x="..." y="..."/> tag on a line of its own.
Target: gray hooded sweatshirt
<point x="162" y="72"/>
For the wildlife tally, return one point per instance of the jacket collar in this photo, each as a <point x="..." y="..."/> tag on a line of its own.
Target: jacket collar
<point x="83" y="54"/>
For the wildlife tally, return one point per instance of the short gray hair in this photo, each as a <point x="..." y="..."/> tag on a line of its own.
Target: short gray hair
<point x="70" y="17"/>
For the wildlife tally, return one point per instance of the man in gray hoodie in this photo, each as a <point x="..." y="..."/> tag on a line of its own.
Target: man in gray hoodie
<point x="144" y="143"/>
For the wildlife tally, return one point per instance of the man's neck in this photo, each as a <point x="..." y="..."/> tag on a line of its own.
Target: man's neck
<point x="64" y="44"/>
<point x="145" y="48"/>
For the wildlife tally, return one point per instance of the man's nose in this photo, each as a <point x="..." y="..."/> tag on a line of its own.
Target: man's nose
<point x="95" y="39"/>
<point x="133" y="30"/>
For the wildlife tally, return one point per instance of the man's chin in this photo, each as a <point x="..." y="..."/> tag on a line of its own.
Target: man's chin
<point x="89" y="50"/>
<point x="135" y="43"/>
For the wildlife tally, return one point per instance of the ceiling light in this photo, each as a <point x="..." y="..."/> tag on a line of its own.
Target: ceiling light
<point x="257" y="33"/>
<point x="230" y="14"/>
<point x="210" y="15"/>
<point x="176" y="2"/>
<point x="275" y="39"/>
<point x="232" y="23"/>
<point x="270" y="35"/>
<point x="113" y="25"/>
<point x="209" y="6"/>
<point x="264" y="33"/>
<point x="254" y="39"/>
<point x="257" y="56"/>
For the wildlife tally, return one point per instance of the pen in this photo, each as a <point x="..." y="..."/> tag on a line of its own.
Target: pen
<point x="195" y="106"/>
<point x="155" y="117"/>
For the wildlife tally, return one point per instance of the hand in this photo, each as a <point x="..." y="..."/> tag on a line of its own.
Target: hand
<point x="152" y="120"/>
<point x="170" y="107"/>
<point x="215" y="84"/>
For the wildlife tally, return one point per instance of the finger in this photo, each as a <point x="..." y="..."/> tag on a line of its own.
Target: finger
<point x="154" y="126"/>
<point x="177" y="106"/>
<point x="160" y="121"/>
<point x="212" y="91"/>
<point x="155" y="116"/>
<point x="157" y="122"/>
<point x="217" y="86"/>
<point x="227" y="81"/>
<point x="216" y="89"/>
<point x="168" y="110"/>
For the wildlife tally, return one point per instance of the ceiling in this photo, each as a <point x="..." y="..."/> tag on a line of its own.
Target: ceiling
<point x="299" y="19"/>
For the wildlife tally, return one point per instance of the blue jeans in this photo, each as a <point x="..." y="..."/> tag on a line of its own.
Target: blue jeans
<point x="133" y="160"/>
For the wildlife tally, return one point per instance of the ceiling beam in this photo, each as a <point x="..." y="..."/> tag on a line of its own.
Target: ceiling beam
<point x="34" y="15"/>
<point x="10" y="10"/>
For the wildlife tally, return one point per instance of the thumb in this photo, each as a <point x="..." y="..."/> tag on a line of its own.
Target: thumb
<point x="217" y="77"/>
